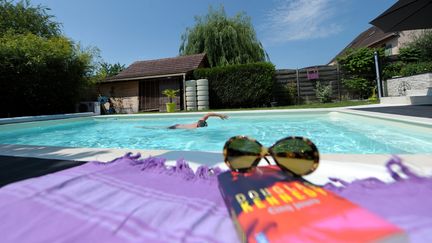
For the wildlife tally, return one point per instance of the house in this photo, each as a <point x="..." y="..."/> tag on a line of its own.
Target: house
<point x="375" y="38"/>
<point x="139" y="87"/>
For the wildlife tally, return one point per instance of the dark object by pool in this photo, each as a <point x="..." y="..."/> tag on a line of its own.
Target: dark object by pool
<point x="14" y="169"/>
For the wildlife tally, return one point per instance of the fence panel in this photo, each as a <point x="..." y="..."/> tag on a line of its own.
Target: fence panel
<point x="304" y="80"/>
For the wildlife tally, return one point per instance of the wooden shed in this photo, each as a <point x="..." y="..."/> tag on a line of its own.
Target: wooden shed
<point x="139" y="87"/>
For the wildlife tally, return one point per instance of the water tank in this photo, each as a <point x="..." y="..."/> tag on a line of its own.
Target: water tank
<point x="202" y="94"/>
<point x="191" y="95"/>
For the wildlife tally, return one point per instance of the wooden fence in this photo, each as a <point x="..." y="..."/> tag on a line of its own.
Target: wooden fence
<point x="302" y="83"/>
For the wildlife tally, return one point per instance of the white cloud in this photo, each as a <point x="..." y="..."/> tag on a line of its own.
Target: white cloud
<point x="295" y="20"/>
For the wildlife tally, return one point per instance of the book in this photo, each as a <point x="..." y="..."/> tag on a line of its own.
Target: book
<point x="271" y="205"/>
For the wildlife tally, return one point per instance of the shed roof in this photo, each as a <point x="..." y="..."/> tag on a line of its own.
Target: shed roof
<point x="369" y="38"/>
<point x="159" y="67"/>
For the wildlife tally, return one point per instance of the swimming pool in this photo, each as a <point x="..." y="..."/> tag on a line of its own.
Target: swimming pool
<point x="332" y="132"/>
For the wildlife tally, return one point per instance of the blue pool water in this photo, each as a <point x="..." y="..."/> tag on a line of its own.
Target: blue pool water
<point x="332" y="132"/>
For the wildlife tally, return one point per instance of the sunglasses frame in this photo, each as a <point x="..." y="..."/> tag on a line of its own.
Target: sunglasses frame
<point x="269" y="152"/>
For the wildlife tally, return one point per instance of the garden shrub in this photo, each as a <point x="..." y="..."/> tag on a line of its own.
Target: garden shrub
<point x="409" y="54"/>
<point x="290" y="90"/>
<point x="242" y="85"/>
<point x="358" y="68"/>
<point x="359" y="62"/>
<point x="358" y="86"/>
<point x="392" y="70"/>
<point x="323" y="92"/>
<point x="414" y="58"/>
<point x="423" y="45"/>
<point x="416" y="68"/>
<point x="285" y="93"/>
<point x="406" y="69"/>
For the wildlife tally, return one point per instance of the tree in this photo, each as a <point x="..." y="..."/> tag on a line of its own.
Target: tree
<point x="41" y="71"/>
<point x="414" y="58"/>
<point x="39" y="75"/>
<point x="102" y="71"/>
<point x="111" y="69"/>
<point x="359" y="70"/>
<point x="359" y="62"/>
<point x="23" y="18"/>
<point x="423" y="45"/>
<point x="225" y="40"/>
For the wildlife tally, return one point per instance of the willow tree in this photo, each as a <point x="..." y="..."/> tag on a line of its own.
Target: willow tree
<point x="225" y="40"/>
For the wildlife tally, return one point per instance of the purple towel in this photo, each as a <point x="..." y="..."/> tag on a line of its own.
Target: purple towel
<point x="127" y="200"/>
<point x="133" y="200"/>
<point x="407" y="202"/>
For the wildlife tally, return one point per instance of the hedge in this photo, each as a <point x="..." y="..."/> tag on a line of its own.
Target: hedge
<point x="416" y="68"/>
<point x="40" y="75"/>
<point x="406" y="69"/>
<point x="238" y="86"/>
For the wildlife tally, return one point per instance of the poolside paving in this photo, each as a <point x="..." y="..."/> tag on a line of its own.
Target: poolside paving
<point x="424" y="111"/>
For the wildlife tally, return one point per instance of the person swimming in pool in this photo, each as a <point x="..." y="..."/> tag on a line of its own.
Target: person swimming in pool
<point x="200" y="123"/>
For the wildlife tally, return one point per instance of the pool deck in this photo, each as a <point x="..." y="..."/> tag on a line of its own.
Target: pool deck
<point x="421" y="163"/>
<point x="423" y="111"/>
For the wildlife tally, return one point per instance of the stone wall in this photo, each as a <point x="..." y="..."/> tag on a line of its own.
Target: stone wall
<point x="125" y="95"/>
<point x="408" y="85"/>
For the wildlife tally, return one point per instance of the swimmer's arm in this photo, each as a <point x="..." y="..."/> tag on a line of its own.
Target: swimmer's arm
<point x="221" y="116"/>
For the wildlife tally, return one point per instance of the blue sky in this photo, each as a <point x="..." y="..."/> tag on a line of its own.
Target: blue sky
<point x="295" y="33"/>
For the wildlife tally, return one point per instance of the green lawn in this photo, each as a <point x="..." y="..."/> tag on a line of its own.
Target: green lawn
<point x="305" y="106"/>
<point x="312" y="105"/>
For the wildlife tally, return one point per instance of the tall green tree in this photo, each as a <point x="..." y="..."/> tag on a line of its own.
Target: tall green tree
<point x="39" y="75"/>
<point x="104" y="70"/>
<point x="110" y="70"/>
<point x="22" y="18"/>
<point x="225" y="40"/>
<point x="41" y="71"/>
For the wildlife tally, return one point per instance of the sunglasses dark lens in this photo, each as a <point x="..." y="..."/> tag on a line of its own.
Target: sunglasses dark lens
<point x="296" y="154"/>
<point x="241" y="153"/>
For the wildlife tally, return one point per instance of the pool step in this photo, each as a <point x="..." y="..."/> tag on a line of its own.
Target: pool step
<point x="419" y="92"/>
<point x="407" y="100"/>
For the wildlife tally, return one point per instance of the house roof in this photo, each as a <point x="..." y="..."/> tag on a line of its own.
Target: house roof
<point x="369" y="38"/>
<point x="161" y="67"/>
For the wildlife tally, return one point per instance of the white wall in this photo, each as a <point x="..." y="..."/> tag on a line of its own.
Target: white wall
<point x="396" y="86"/>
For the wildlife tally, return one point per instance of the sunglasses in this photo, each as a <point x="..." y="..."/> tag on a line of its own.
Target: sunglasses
<point x="295" y="154"/>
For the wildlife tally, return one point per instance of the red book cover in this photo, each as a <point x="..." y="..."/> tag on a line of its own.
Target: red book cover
<point x="270" y="205"/>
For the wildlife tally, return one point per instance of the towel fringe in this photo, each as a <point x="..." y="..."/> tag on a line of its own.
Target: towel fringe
<point x="395" y="167"/>
<point x="158" y="165"/>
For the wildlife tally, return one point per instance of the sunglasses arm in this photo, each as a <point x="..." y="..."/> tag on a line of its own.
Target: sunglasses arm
<point x="268" y="162"/>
